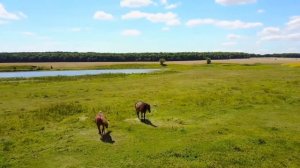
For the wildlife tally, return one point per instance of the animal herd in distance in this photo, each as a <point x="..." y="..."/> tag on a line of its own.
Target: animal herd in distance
<point x="140" y="108"/>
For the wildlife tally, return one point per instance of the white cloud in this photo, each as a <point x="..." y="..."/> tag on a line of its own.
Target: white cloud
<point x="260" y="11"/>
<point x="172" y="6"/>
<point x="234" y="2"/>
<point x="275" y="33"/>
<point x="169" y="6"/>
<point x="4" y="14"/>
<point x="291" y="31"/>
<point x="164" y="2"/>
<point x="233" y="36"/>
<point x="270" y="31"/>
<point x="294" y="23"/>
<point x="101" y="15"/>
<point x="135" y="3"/>
<point x="293" y="37"/>
<point x="135" y="15"/>
<point x="131" y="32"/>
<point x="169" y="18"/>
<point x="236" y="24"/>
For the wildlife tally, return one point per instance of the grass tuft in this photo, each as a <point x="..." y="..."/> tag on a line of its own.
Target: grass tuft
<point x="59" y="111"/>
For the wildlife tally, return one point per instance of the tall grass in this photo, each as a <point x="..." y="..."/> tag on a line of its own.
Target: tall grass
<point x="59" y="111"/>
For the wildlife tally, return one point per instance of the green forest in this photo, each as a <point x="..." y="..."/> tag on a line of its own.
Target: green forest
<point x="124" y="57"/>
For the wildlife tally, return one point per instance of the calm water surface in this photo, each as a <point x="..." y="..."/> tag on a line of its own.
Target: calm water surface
<point x="30" y="74"/>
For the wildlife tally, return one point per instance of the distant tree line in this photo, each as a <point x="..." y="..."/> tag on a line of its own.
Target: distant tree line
<point x="125" y="57"/>
<point x="284" y="55"/>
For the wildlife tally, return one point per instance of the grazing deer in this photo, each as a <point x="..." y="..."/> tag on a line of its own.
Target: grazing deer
<point x="143" y="108"/>
<point x="101" y="121"/>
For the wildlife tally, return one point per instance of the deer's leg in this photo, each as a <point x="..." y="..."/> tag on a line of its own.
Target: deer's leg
<point x="103" y="129"/>
<point x="98" y="126"/>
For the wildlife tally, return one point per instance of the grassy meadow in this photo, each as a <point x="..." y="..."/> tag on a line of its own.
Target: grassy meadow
<point x="218" y="115"/>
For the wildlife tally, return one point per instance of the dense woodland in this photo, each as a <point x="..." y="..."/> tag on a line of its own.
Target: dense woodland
<point x="123" y="57"/>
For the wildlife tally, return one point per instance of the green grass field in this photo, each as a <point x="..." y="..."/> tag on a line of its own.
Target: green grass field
<point x="219" y="115"/>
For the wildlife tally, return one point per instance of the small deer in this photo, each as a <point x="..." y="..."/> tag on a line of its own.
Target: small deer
<point x="101" y="121"/>
<point x="143" y="108"/>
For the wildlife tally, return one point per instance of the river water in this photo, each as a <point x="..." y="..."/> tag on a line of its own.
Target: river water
<point x="30" y="74"/>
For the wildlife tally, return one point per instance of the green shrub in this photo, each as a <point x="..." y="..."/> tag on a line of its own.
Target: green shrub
<point x="162" y="62"/>
<point x="208" y="60"/>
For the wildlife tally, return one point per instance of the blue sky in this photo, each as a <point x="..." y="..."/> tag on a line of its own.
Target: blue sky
<point x="253" y="26"/>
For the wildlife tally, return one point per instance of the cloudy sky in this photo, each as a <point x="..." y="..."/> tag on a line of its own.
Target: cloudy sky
<point x="253" y="26"/>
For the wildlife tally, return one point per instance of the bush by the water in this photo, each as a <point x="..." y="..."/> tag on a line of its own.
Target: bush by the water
<point x="208" y="61"/>
<point x="162" y="62"/>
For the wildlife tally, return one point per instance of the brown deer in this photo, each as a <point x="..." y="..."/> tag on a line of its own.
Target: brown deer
<point x="101" y="121"/>
<point x="143" y="108"/>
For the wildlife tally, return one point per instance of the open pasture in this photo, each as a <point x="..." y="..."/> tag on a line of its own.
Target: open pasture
<point x="218" y="115"/>
<point x="23" y="66"/>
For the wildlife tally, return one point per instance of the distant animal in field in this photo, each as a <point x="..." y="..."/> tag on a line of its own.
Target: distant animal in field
<point x="142" y="107"/>
<point x="101" y="121"/>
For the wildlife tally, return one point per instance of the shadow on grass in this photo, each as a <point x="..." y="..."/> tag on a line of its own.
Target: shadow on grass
<point x="106" y="138"/>
<point x="147" y="122"/>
